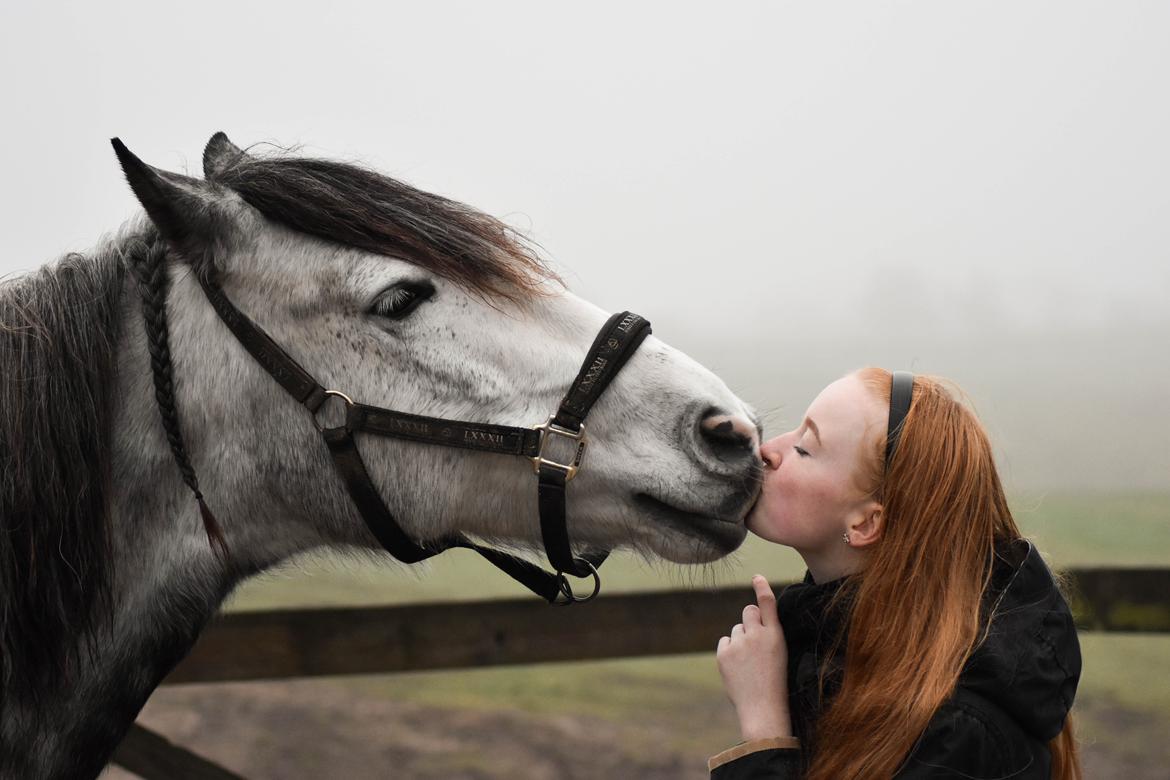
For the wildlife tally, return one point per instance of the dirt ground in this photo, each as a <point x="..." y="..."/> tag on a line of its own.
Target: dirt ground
<point x="316" y="729"/>
<point x="321" y="729"/>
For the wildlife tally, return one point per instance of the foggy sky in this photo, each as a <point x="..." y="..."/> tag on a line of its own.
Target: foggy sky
<point x="787" y="191"/>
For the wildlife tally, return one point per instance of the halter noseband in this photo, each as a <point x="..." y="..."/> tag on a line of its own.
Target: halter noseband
<point x="617" y="341"/>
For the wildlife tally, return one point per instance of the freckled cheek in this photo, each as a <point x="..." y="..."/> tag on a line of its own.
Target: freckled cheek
<point x="822" y="491"/>
<point x="800" y="497"/>
<point x="783" y="498"/>
<point x="797" y="485"/>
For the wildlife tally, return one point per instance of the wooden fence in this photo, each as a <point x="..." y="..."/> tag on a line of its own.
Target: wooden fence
<point x="283" y="644"/>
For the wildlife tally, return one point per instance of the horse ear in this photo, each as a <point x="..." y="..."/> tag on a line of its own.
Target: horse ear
<point x="219" y="154"/>
<point x="184" y="210"/>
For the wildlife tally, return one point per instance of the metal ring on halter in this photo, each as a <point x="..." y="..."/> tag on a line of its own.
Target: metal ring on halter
<point x="348" y="404"/>
<point x="567" y="589"/>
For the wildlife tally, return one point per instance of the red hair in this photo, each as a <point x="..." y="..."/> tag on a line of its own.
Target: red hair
<point x="915" y="610"/>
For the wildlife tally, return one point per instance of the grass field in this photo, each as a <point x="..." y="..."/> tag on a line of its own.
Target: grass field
<point x="1123" y="701"/>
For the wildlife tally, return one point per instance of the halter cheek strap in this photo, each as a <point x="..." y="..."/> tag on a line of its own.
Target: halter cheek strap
<point x="618" y="339"/>
<point x="615" y="344"/>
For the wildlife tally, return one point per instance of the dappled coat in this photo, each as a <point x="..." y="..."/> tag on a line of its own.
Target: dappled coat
<point x="1011" y="699"/>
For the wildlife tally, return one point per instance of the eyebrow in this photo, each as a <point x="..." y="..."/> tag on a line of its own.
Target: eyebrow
<point x="812" y="426"/>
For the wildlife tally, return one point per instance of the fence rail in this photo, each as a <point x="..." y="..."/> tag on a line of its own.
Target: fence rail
<point x="291" y="643"/>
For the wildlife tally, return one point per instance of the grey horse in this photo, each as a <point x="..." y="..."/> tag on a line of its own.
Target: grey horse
<point x="404" y="299"/>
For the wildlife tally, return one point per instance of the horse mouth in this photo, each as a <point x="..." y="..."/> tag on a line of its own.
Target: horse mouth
<point x="725" y="534"/>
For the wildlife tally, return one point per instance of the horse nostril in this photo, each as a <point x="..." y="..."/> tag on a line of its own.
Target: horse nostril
<point x="728" y="436"/>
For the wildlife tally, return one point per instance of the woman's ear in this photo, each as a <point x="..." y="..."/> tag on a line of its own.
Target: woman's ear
<point x="866" y="527"/>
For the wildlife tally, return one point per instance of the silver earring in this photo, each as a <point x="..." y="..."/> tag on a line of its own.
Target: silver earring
<point x="845" y="536"/>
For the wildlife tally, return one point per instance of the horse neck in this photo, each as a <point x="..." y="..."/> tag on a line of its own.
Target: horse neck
<point x="166" y="585"/>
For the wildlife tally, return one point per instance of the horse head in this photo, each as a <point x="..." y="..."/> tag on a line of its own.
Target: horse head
<point x="404" y="299"/>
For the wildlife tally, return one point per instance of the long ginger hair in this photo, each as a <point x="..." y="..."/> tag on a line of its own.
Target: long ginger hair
<point x="915" y="610"/>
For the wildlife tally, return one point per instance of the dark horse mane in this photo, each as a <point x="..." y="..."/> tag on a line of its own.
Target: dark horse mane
<point x="59" y="328"/>
<point x="352" y="205"/>
<point x="58" y="332"/>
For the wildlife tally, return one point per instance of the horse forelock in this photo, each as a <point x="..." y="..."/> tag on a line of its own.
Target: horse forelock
<point x="58" y="330"/>
<point x="359" y="207"/>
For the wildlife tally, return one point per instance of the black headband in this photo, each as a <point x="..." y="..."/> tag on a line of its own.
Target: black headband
<point x="901" y="390"/>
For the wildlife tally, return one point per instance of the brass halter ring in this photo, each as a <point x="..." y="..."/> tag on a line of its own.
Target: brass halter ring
<point x="348" y="405"/>
<point x="567" y="588"/>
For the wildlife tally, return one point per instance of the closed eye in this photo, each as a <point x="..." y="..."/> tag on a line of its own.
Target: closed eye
<point x="399" y="300"/>
<point x="801" y="451"/>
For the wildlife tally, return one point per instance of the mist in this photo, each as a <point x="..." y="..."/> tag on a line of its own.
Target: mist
<point x="788" y="192"/>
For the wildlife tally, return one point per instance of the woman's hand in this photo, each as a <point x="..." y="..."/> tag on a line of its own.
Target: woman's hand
<point x="754" y="664"/>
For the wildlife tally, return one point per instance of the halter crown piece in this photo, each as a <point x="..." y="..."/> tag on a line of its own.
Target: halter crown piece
<point x="617" y="341"/>
<point x="901" y="393"/>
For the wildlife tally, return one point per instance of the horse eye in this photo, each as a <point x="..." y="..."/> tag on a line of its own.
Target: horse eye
<point x="399" y="300"/>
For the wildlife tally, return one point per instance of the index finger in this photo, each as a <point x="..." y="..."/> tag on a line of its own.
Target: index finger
<point x="767" y="601"/>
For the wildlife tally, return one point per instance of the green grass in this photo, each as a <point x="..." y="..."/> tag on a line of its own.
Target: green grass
<point x="684" y="693"/>
<point x="1098" y="530"/>
<point x="1130" y="670"/>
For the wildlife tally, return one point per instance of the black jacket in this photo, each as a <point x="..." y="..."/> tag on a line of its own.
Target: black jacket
<point x="1011" y="699"/>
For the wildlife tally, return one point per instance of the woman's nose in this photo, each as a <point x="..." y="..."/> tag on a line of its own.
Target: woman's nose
<point x="770" y="452"/>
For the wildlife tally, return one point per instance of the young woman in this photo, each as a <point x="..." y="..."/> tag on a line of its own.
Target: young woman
<point x="928" y="638"/>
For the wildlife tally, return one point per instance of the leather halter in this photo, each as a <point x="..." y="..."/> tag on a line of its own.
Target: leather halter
<point x="615" y="343"/>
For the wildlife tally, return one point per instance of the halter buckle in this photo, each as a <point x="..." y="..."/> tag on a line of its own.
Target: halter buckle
<point x="549" y="429"/>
